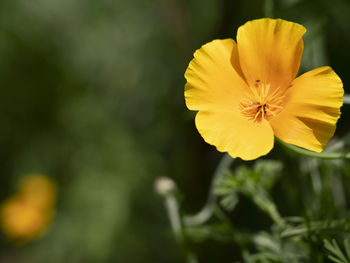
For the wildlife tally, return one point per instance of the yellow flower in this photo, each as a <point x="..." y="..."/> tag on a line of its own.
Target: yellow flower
<point x="28" y="213"/>
<point x="247" y="93"/>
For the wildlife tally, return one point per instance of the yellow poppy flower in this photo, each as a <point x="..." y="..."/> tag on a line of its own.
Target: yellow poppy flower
<point x="247" y="93"/>
<point x="27" y="214"/>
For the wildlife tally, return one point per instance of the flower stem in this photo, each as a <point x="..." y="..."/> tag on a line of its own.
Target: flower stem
<point x="172" y="208"/>
<point x="269" y="8"/>
<point x="339" y="144"/>
<point x="346" y="99"/>
<point x="208" y="209"/>
<point x="322" y="155"/>
<point x="166" y="188"/>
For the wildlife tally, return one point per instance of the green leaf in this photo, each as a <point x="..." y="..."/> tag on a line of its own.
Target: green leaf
<point x="347" y="248"/>
<point x="255" y="183"/>
<point x="218" y="232"/>
<point x="336" y="253"/>
<point x="313" y="227"/>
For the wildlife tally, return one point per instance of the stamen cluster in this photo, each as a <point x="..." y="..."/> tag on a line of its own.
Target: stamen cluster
<point x="263" y="102"/>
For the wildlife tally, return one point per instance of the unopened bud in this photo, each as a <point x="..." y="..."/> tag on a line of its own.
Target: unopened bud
<point x="164" y="185"/>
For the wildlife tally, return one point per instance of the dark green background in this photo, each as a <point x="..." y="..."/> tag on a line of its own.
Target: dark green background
<point x="92" y="96"/>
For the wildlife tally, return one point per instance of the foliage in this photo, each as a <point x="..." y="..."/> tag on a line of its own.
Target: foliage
<point x="254" y="183"/>
<point x="336" y="253"/>
<point x="294" y="239"/>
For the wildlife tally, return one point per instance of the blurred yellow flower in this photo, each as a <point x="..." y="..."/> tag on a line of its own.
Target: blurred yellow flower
<point x="28" y="213"/>
<point x="246" y="93"/>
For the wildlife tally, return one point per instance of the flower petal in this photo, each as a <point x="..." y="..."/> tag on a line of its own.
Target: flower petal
<point x="232" y="133"/>
<point x="270" y="51"/>
<point x="213" y="77"/>
<point x="312" y="110"/>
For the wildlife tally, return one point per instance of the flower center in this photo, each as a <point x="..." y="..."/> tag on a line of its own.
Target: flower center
<point x="262" y="103"/>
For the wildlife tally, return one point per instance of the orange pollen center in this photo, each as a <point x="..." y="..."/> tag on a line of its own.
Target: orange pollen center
<point x="262" y="102"/>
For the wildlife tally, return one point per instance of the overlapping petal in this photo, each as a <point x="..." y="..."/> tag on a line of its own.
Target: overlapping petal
<point x="238" y="136"/>
<point x="309" y="117"/>
<point x="270" y="51"/>
<point x="213" y="77"/>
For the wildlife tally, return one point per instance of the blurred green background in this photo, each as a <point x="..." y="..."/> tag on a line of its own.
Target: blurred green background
<point x="92" y="96"/>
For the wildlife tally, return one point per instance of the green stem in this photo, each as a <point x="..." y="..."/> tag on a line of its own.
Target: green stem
<point x="207" y="211"/>
<point x="339" y="144"/>
<point x="346" y="99"/>
<point x="322" y="155"/>
<point x="172" y="209"/>
<point x="166" y="188"/>
<point x="269" y="8"/>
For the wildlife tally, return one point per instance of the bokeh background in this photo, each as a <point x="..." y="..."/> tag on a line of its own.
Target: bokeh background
<point x="92" y="97"/>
